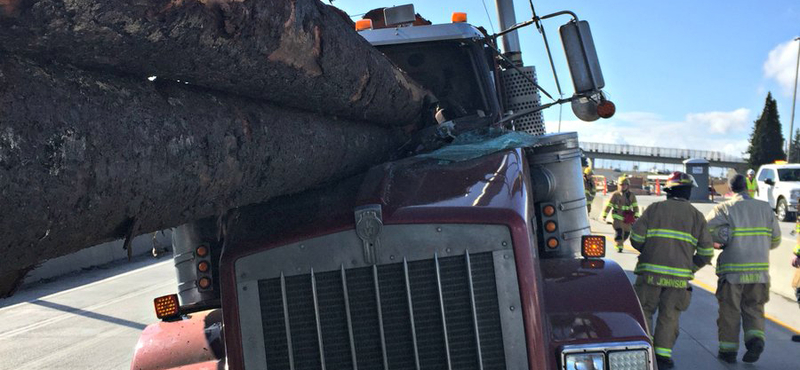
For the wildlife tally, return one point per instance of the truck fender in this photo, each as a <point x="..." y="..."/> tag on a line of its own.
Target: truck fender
<point x="194" y="342"/>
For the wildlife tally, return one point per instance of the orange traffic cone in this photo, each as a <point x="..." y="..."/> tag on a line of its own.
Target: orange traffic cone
<point x="605" y="186"/>
<point x="658" y="186"/>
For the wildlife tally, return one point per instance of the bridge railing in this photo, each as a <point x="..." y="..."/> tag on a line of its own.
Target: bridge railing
<point x="659" y="152"/>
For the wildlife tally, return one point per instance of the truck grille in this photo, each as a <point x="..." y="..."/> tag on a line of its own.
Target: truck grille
<point x="439" y="313"/>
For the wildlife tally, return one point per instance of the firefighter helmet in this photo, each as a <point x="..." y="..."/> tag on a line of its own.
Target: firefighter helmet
<point x="623" y="180"/>
<point x="750" y="172"/>
<point x="679" y="178"/>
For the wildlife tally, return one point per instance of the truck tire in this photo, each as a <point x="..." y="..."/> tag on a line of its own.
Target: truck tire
<point x="782" y="211"/>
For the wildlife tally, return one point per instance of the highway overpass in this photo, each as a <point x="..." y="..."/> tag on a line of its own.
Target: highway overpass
<point x="638" y="153"/>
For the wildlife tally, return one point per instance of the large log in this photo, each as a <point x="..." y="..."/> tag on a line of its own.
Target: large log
<point x="87" y="157"/>
<point x="298" y="53"/>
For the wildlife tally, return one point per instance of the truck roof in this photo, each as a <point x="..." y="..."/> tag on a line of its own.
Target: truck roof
<point x="784" y="165"/>
<point x="412" y="34"/>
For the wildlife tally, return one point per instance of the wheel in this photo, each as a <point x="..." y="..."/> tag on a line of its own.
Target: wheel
<point x="782" y="211"/>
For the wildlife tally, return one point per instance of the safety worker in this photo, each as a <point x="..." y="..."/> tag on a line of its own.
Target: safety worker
<point x="745" y="229"/>
<point x="589" y="188"/>
<point x="624" y="211"/>
<point x="674" y="241"/>
<point x="752" y="184"/>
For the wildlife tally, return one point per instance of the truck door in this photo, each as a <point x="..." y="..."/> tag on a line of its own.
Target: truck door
<point x="765" y="191"/>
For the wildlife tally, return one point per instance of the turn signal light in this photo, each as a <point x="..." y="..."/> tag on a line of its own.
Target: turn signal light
<point x="549" y="210"/>
<point x="550" y="226"/>
<point x="459" y="17"/>
<point x="552" y="243"/>
<point x="203" y="266"/>
<point x="363" y="24"/>
<point x="202" y="251"/>
<point x="593" y="246"/>
<point x="166" y="306"/>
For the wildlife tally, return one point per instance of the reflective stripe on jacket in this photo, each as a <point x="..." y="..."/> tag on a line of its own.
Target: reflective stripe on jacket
<point x="674" y="241"/>
<point x="618" y="204"/>
<point x="754" y="230"/>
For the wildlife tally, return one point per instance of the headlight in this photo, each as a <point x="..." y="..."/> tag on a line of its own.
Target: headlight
<point x="617" y="356"/>
<point x="585" y="361"/>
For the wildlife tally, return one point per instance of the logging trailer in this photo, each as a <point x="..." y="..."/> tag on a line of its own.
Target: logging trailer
<point x="481" y="263"/>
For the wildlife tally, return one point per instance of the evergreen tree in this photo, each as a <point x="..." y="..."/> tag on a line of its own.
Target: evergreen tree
<point x="795" y="151"/>
<point x="766" y="141"/>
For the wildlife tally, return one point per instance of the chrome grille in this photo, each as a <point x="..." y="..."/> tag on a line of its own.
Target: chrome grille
<point x="437" y="313"/>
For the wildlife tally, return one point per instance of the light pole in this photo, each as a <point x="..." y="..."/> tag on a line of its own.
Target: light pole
<point x="794" y="100"/>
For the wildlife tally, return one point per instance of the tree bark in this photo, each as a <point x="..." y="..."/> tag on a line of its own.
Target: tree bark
<point x="87" y="157"/>
<point x="297" y="53"/>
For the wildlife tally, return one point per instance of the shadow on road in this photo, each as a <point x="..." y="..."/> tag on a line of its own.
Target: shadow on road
<point x="89" y="314"/>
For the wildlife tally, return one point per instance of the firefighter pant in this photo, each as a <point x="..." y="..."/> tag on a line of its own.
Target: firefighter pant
<point x="669" y="302"/>
<point x="740" y="304"/>
<point x="620" y="236"/>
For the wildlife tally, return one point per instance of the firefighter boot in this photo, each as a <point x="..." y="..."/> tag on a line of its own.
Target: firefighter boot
<point x="620" y="245"/>
<point x="754" y="348"/>
<point x="729" y="357"/>
<point x="664" y="362"/>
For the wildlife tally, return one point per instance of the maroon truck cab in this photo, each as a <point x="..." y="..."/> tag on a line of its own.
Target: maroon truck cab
<point x="426" y="265"/>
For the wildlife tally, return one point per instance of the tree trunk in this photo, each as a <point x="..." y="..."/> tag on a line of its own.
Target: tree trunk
<point x="298" y="53"/>
<point x="87" y="157"/>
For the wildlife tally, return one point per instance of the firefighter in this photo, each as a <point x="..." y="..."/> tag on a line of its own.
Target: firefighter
<point x="674" y="242"/>
<point x="624" y="211"/>
<point x="745" y="229"/>
<point x="752" y="184"/>
<point x="589" y="188"/>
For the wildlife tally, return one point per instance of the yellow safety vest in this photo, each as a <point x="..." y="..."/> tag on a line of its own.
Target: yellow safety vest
<point x="752" y="186"/>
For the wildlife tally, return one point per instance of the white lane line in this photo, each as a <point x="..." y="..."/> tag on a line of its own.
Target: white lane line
<point x="93" y="307"/>
<point x="112" y="278"/>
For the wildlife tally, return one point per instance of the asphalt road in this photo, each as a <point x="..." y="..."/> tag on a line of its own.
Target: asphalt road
<point x="90" y="320"/>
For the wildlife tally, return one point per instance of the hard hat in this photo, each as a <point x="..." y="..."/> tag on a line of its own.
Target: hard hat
<point x="750" y="172"/>
<point x="587" y="170"/>
<point x="623" y="180"/>
<point x="679" y="178"/>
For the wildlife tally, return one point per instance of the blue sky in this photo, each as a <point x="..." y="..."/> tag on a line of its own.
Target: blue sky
<point x="686" y="74"/>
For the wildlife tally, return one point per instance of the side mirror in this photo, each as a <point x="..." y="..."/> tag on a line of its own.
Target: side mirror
<point x="769" y="182"/>
<point x="584" y="66"/>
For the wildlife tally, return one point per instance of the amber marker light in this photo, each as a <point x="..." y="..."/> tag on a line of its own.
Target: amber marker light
<point x="606" y="109"/>
<point x="552" y="243"/>
<point x="363" y="24"/>
<point x="204" y="283"/>
<point x="202" y="251"/>
<point x="550" y="226"/>
<point x="459" y="17"/>
<point x="593" y="246"/>
<point x="549" y="210"/>
<point x="166" y="306"/>
<point x="203" y="266"/>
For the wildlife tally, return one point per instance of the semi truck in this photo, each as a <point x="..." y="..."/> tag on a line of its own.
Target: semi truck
<point x="476" y="255"/>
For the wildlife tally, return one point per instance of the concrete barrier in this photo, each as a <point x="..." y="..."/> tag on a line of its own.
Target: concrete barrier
<point x="96" y="256"/>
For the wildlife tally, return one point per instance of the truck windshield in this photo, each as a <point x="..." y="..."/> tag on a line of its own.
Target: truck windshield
<point x="446" y="69"/>
<point x="789" y="174"/>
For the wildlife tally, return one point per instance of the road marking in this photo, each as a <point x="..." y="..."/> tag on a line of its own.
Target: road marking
<point x="65" y="316"/>
<point x="766" y="315"/>
<point x="111" y="278"/>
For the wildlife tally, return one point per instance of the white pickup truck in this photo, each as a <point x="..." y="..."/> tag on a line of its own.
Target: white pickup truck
<point x="779" y="185"/>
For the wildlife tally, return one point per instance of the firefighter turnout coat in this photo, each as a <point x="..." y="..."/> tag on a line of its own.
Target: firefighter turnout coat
<point x="674" y="242"/>
<point x="748" y="229"/>
<point x="619" y="204"/>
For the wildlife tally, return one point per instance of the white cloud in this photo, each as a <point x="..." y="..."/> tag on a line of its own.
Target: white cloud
<point x="721" y="122"/>
<point x="780" y="65"/>
<point x="699" y="131"/>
